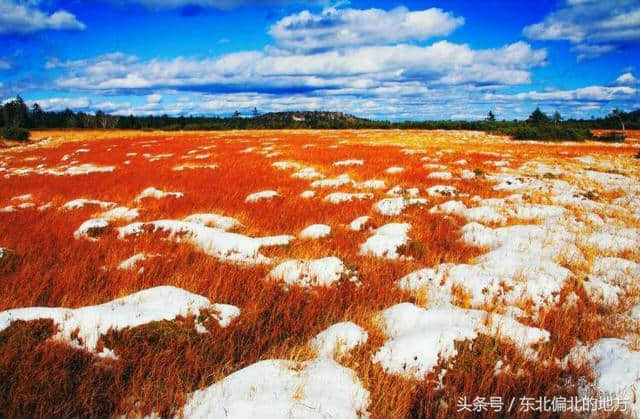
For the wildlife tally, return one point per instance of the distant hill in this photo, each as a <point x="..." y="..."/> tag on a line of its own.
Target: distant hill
<point x="308" y="119"/>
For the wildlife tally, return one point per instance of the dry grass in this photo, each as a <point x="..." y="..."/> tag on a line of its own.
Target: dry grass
<point x="160" y="363"/>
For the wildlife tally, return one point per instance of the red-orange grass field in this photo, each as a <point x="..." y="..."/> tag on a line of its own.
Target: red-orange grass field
<point x="160" y="363"/>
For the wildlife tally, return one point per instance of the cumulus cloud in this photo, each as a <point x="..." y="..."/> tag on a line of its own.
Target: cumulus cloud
<point x="360" y="61"/>
<point x="626" y="79"/>
<point x="593" y="27"/>
<point x="390" y="100"/>
<point x="588" y="93"/>
<point x="24" y="16"/>
<point x="362" y="68"/>
<point x="337" y="28"/>
<point x="60" y="104"/>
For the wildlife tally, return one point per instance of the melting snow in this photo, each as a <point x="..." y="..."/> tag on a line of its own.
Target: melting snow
<point x="441" y="190"/>
<point x="258" y="196"/>
<point x="483" y="214"/>
<point x="284" y="165"/>
<point x="332" y="183"/>
<point x="307" y="194"/>
<point x="307" y="173"/>
<point x="525" y="263"/>
<point x="386" y="240"/>
<point x="339" y="197"/>
<point x="611" y="278"/>
<point x="359" y="223"/>
<point x="82" y="327"/>
<point x="91" y="228"/>
<point x="283" y="389"/>
<point x="214" y="220"/>
<point x="310" y="273"/>
<point x="399" y="190"/>
<point x="131" y="262"/>
<point x="152" y="192"/>
<point x="190" y="166"/>
<point x="617" y="369"/>
<point x="212" y="241"/>
<point x="315" y="231"/>
<point x="349" y="163"/>
<point x="338" y="339"/>
<point x="440" y="175"/>
<point x="395" y="206"/>
<point x="121" y="213"/>
<point x="420" y="338"/>
<point x="25" y="197"/>
<point x="82" y="202"/>
<point x="83" y="169"/>
<point x="394" y="169"/>
<point x="370" y="184"/>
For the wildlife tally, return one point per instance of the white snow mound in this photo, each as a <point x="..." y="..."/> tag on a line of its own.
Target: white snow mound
<point x="82" y="327"/>
<point x="338" y="339"/>
<point x="315" y="389"/>
<point x="310" y="273"/>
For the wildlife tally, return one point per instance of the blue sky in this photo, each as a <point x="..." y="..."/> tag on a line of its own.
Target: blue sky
<point x="383" y="60"/>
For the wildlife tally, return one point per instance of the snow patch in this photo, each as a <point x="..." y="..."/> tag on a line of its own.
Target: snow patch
<point x="333" y="182"/>
<point x="339" y="197"/>
<point x="395" y="206"/>
<point x="223" y="245"/>
<point x="419" y="338"/>
<point x="91" y="228"/>
<point x="152" y="192"/>
<point x="338" y="339"/>
<point x="82" y="327"/>
<point x="121" y="213"/>
<point x="259" y="196"/>
<point x="359" y="223"/>
<point x="310" y="273"/>
<point x="213" y="220"/>
<point x="616" y="367"/>
<point x="307" y="194"/>
<point x="386" y="240"/>
<point x="352" y="162"/>
<point x="394" y="169"/>
<point x="283" y="389"/>
<point x="315" y="231"/>
<point x="82" y="202"/>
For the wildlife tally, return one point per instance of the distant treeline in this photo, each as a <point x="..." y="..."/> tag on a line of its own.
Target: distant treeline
<point x="17" y="116"/>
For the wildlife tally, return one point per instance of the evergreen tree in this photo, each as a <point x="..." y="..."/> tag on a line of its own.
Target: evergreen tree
<point x="538" y="117"/>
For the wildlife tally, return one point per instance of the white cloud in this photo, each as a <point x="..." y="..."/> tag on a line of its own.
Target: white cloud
<point x="588" y="93"/>
<point x="108" y="106"/>
<point x="592" y="27"/>
<point x="363" y="68"/>
<point x="626" y="79"/>
<point x="60" y="104"/>
<point x="24" y="16"/>
<point x="154" y="98"/>
<point x="392" y="100"/>
<point x="5" y="65"/>
<point x="338" y="28"/>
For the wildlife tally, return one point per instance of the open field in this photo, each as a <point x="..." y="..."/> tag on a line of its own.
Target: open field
<point x="456" y="265"/>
